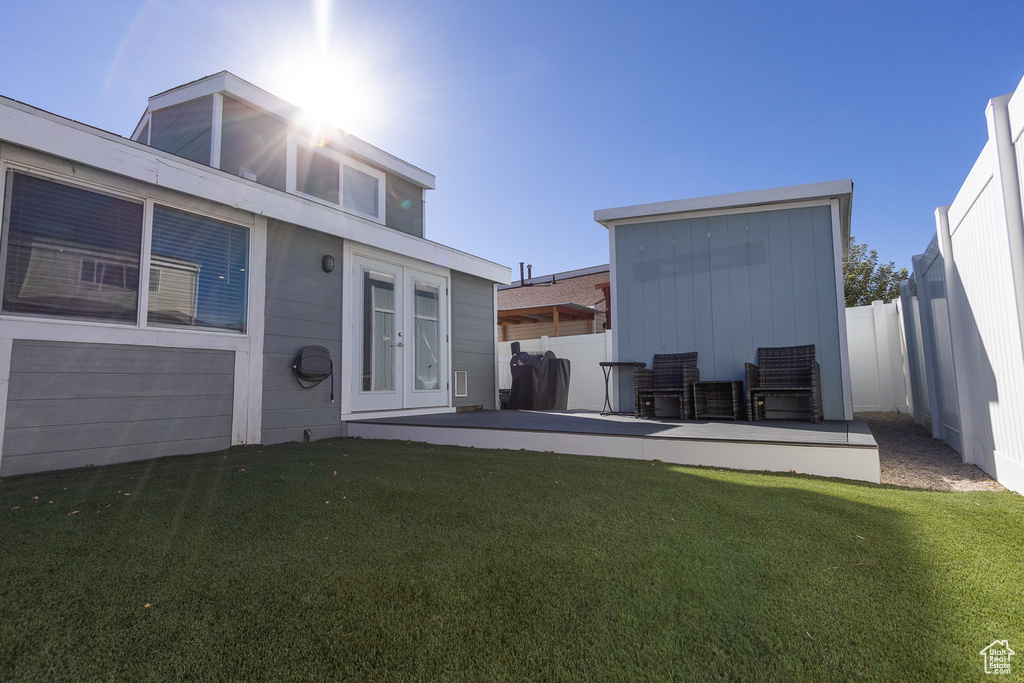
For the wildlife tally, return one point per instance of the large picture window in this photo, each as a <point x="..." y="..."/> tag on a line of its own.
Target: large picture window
<point x="201" y="271"/>
<point x="70" y="252"/>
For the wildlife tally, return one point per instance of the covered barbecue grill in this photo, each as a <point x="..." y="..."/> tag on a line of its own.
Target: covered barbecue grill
<point x="539" y="381"/>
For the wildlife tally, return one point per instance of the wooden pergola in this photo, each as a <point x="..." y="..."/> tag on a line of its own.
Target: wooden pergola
<point x="551" y="313"/>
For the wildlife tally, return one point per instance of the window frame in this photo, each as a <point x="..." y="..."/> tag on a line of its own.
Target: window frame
<point x="148" y="203"/>
<point x="296" y="142"/>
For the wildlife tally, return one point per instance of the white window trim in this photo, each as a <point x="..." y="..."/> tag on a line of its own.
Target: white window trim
<point x="291" y="176"/>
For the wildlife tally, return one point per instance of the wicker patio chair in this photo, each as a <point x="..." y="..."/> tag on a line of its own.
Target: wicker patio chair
<point x="672" y="375"/>
<point x="783" y="371"/>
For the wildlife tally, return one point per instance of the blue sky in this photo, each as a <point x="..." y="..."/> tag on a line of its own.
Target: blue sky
<point x="534" y="114"/>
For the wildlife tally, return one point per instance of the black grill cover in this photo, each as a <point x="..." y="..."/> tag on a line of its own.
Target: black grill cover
<point x="539" y="382"/>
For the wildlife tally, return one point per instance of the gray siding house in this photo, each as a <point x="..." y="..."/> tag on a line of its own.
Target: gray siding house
<point x="157" y="290"/>
<point x="727" y="274"/>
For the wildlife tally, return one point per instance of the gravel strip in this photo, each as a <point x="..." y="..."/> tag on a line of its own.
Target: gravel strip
<point x="911" y="457"/>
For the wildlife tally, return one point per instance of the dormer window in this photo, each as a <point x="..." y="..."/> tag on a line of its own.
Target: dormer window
<point x="327" y="176"/>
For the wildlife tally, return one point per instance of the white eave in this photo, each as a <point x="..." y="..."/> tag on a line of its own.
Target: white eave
<point x="226" y="83"/>
<point x="737" y="202"/>
<point x="33" y="128"/>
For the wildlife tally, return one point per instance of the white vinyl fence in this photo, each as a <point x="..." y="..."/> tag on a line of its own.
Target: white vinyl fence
<point x="584" y="351"/>
<point x="963" y="310"/>
<point x="878" y="374"/>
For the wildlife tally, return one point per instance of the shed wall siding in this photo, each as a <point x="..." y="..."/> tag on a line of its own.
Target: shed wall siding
<point x="72" y="405"/>
<point x="473" y="346"/>
<point x="724" y="286"/>
<point x="303" y="308"/>
<point x="255" y="141"/>
<point x="185" y="129"/>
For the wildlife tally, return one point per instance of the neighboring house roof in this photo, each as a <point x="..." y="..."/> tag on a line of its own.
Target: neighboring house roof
<point x="569" y="287"/>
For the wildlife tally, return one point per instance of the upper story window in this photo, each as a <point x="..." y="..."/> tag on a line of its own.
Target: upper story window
<point x="73" y="252"/>
<point x="328" y="176"/>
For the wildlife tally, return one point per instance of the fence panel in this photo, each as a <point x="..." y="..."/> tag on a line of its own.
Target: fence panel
<point x="584" y="351"/>
<point x="876" y="358"/>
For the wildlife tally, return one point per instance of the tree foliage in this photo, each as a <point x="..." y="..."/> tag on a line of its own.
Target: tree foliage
<point x="866" y="281"/>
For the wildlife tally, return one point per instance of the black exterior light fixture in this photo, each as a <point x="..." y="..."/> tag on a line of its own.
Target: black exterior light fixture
<point x="327" y="263"/>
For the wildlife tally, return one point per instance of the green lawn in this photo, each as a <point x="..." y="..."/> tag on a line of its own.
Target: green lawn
<point x="364" y="560"/>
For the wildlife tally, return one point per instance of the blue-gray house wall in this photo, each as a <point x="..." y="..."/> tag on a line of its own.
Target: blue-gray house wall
<point x="724" y="286"/>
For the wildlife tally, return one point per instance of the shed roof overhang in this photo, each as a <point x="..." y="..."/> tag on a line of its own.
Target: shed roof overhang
<point x="741" y="202"/>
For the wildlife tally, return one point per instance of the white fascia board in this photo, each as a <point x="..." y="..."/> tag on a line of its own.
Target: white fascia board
<point x="742" y="201"/>
<point x="35" y="129"/>
<point x="226" y="83"/>
<point x="778" y="195"/>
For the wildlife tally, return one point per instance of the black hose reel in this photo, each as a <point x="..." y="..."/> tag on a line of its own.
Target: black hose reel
<point x="314" y="365"/>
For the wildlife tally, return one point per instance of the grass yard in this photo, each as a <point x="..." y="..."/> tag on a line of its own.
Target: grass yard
<point x="364" y="560"/>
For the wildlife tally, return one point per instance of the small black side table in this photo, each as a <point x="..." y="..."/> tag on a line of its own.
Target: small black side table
<point x="606" y="367"/>
<point x="718" y="400"/>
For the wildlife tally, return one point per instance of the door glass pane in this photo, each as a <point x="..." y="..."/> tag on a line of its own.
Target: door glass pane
<point x="378" y="331"/>
<point x="426" y="309"/>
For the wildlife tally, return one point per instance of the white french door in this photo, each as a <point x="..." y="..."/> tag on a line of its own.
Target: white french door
<point x="400" y="340"/>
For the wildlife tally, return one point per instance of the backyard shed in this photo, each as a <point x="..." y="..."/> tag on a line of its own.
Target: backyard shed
<point x="726" y="274"/>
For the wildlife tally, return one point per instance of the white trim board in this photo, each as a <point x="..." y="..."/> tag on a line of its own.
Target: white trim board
<point x="793" y="193"/>
<point x="848" y="462"/>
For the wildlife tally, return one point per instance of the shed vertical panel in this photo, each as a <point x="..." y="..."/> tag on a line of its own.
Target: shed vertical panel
<point x="762" y="315"/>
<point x="827" y="344"/>
<point x="668" y="329"/>
<point x="700" y="246"/>
<point x="721" y="294"/>
<point x="805" y="279"/>
<point x="686" y="301"/>
<point x="783" y="292"/>
<point x="741" y="340"/>
<point x="651" y="305"/>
